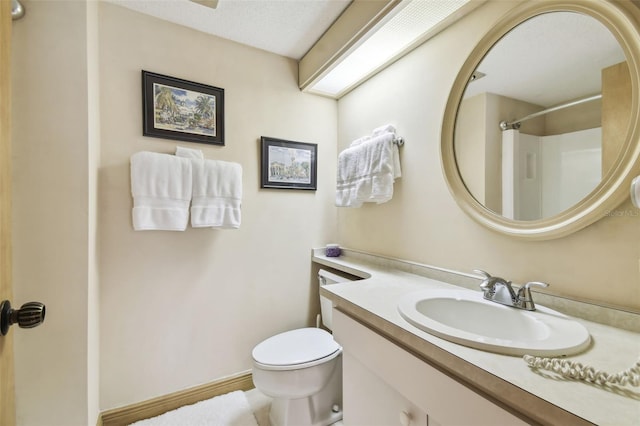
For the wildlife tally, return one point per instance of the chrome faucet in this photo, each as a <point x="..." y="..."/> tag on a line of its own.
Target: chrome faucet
<point x="501" y="291"/>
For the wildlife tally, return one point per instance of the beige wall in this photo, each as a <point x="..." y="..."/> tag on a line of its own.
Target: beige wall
<point x="184" y="308"/>
<point x="423" y="222"/>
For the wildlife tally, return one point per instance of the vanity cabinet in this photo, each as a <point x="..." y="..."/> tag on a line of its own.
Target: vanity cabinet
<point x="385" y="385"/>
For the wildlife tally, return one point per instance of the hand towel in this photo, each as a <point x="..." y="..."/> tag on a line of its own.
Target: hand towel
<point x="366" y="172"/>
<point x="360" y="141"/>
<point x="347" y="179"/>
<point x="161" y="189"/>
<point x="217" y="194"/>
<point x="390" y="128"/>
<point x="189" y="152"/>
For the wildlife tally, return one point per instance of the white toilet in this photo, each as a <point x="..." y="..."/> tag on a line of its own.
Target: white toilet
<point x="302" y="371"/>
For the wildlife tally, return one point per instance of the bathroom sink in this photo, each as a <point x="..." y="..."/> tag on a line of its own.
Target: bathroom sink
<point x="466" y="318"/>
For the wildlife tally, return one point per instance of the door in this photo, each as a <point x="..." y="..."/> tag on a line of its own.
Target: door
<point x="7" y="400"/>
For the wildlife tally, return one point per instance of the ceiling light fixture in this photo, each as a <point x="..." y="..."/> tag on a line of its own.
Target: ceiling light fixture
<point x="405" y="26"/>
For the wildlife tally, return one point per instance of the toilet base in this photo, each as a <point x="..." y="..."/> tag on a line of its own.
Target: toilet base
<point x="321" y="409"/>
<point x="300" y="412"/>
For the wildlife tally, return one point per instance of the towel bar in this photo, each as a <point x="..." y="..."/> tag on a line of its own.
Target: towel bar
<point x="398" y="141"/>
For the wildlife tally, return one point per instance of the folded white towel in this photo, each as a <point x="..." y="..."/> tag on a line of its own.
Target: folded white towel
<point x="387" y="128"/>
<point x="189" y="152"/>
<point x="360" y="140"/>
<point x="161" y="189"/>
<point x="366" y="171"/>
<point x="217" y="194"/>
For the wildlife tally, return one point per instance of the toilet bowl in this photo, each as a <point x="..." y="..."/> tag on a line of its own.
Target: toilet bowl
<point x="302" y="371"/>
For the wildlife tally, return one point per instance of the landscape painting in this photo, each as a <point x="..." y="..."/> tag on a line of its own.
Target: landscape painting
<point x="182" y="110"/>
<point x="287" y="164"/>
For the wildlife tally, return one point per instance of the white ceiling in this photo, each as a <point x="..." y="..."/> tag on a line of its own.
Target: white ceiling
<point x="285" y="27"/>
<point x="549" y="59"/>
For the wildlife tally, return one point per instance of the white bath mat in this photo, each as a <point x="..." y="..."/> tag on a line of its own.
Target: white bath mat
<point x="231" y="409"/>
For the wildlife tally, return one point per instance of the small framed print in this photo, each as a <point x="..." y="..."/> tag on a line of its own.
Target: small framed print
<point x="288" y="164"/>
<point x="183" y="110"/>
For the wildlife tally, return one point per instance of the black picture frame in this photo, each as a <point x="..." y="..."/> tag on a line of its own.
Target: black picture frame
<point x="288" y="164"/>
<point x="182" y="110"/>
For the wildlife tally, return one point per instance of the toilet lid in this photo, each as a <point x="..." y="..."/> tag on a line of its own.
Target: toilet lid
<point x="295" y="347"/>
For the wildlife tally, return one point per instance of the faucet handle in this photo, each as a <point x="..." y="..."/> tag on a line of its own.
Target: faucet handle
<point x="524" y="292"/>
<point x="534" y="283"/>
<point x="525" y="299"/>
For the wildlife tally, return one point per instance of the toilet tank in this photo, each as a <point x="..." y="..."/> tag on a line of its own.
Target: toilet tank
<point x="326" y="306"/>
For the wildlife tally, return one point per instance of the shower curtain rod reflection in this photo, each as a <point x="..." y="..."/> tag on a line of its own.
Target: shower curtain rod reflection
<point x="515" y="124"/>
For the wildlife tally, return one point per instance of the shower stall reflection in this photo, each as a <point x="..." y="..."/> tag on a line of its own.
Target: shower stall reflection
<point x="545" y="175"/>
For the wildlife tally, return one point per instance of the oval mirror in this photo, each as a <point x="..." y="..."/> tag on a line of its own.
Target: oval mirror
<point x="540" y="135"/>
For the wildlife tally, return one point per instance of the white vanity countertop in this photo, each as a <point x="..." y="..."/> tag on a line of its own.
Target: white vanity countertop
<point x="506" y="379"/>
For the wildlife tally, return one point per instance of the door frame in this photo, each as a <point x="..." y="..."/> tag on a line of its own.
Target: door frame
<point x="7" y="392"/>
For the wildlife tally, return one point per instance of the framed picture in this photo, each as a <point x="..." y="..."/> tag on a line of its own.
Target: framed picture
<point x="288" y="165"/>
<point x="183" y="110"/>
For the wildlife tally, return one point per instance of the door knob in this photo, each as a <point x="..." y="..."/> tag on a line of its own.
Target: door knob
<point x="30" y="315"/>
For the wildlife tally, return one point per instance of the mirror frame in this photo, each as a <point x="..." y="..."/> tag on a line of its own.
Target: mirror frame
<point x="614" y="187"/>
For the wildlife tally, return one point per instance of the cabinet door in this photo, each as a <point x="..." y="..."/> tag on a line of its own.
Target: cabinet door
<point x="446" y="401"/>
<point x="368" y="400"/>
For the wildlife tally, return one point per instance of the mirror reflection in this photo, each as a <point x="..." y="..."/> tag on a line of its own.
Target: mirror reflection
<point x="544" y="116"/>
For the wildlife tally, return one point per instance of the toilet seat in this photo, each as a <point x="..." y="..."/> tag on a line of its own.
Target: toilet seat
<point x="296" y="349"/>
